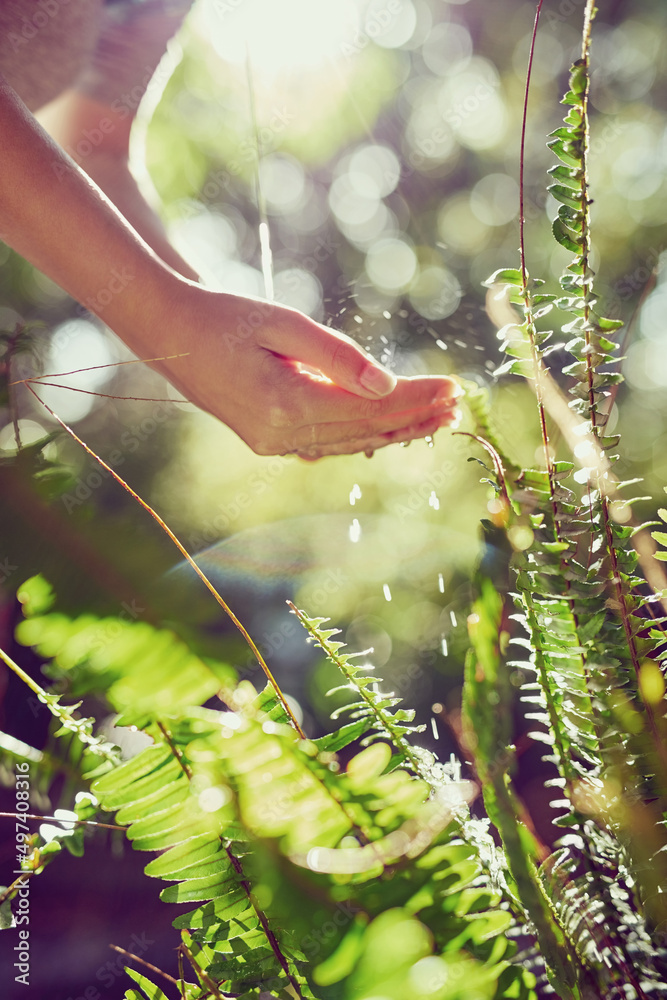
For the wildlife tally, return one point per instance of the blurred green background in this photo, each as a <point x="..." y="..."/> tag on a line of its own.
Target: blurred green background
<point x="388" y="135"/>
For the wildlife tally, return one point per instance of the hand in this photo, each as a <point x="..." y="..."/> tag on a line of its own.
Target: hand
<point x="246" y="361"/>
<point x="252" y="364"/>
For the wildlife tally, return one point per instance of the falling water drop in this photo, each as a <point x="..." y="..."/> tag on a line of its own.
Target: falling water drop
<point x="452" y="615"/>
<point x="433" y="501"/>
<point x="444" y="647"/>
<point x="404" y="444"/>
<point x="441" y="583"/>
<point x="441" y="344"/>
<point x="386" y="591"/>
<point x="429" y="440"/>
<point x="267" y="259"/>
<point x="355" y="531"/>
<point x="355" y="494"/>
<point x="386" y="314"/>
<point x="358" y="319"/>
<point x="434" y="728"/>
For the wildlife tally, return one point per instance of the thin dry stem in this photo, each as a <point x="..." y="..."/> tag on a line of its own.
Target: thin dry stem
<point x="186" y="555"/>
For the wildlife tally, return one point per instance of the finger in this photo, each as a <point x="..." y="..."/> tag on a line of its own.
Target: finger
<point x="424" y="429"/>
<point x="340" y="432"/>
<point x="334" y="354"/>
<point x="308" y="400"/>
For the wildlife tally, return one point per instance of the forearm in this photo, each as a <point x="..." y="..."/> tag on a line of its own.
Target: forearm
<point x="58" y="219"/>
<point x="112" y="175"/>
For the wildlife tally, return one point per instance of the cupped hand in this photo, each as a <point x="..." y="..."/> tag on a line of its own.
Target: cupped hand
<point x="288" y="385"/>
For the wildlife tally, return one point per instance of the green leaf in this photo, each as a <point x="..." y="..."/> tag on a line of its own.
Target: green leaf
<point x="566" y="237"/>
<point x="505" y="275"/>
<point x="578" y="78"/>
<point x="191" y="852"/>
<point x="564" y="175"/>
<point x="521" y="366"/>
<point x="6" y="918"/>
<point x="342" y="737"/>
<point x="565" y="195"/>
<point x="149" y="989"/>
<point x="566" y="151"/>
<point x="341" y="963"/>
<point x="197" y="889"/>
<point x="36" y="596"/>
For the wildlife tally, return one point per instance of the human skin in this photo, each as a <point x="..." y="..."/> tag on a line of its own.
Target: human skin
<point x="238" y="358"/>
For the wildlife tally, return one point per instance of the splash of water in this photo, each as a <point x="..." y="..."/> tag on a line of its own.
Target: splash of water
<point x="264" y="231"/>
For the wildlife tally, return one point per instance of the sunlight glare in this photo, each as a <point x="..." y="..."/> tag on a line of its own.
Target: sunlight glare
<point x="290" y="36"/>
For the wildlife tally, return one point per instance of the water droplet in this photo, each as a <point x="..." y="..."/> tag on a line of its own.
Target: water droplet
<point x="358" y="319"/>
<point x="404" y="444"/>
<point x="429" y="440"/>
<point x="433" y="501"/>
<point x="267" y="260"/>
<point x="386" y="591"/>
<point x="442" y="345"/>
<point x="444" y="647"/>
<point x="441" y="583"/>
<point x="452" y="615"/>
<point x="355" y="531"/>
<point x="386" y="314"/>
<point x="434" y="729"/>
<point x="383" y="339"/>
<point x="460" y="343"/>
<point x="355" y="494"/>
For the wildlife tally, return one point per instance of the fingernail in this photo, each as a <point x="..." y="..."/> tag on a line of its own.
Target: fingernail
<point x="377" y="380"/>
<point x="448" y="393"/>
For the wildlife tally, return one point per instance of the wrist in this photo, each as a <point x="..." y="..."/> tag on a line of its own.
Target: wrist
<point x="140" y="303"/>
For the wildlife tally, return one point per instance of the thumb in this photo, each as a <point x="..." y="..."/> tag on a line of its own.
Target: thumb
<point x="333" y="354"/>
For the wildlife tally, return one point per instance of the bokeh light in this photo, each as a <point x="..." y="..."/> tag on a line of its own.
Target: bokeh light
<point x="76" y="345"/>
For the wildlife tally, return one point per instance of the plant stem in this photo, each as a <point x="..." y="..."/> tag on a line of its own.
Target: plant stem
<point x="522" y="160"/>
<point x="186" y="555"/>
<point x="59" y="819"/>
<point x="59" y="711"/>
<point x="385" y="722"/>
<point x="153" y="968"/>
